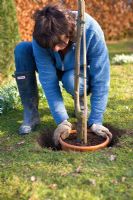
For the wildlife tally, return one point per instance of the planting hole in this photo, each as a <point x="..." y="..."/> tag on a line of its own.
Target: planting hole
<point x="45" y="138"/>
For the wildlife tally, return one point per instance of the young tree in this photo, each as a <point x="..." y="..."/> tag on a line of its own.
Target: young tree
<point x="81" y="117"/>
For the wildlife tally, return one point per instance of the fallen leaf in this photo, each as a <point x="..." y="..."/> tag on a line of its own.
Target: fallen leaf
<point x="123" y="179"/>
<point x="64" y="174"/>
<point x="21" y="142"/>
<point x="98" y="175"/>
<point x="115" y="182"/>
<point x="74" y="174"/>
<point x="53" y="186"/>
<point x="33" y="178"/>
<point x="112" y="157"/>
<point x="9" y="148"/>
<point x="78" y="170"/>
<point x="92" y="181"/>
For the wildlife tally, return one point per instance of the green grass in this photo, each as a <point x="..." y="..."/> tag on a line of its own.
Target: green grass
<point x="125" y="46"/>
<point x="60" y="175"/>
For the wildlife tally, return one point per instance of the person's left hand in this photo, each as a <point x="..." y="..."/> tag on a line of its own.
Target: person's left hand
<point x="101" y="130"/>
<point x="62" y="130"/>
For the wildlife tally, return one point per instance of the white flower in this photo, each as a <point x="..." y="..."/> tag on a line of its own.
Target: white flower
<point x="8" y="97"/>
<point x="122" y="59"/>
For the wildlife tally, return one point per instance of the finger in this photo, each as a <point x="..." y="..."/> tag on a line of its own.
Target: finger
<point x="101" y="133"/>
<point x="107" y="134"/>
<point x="60" y="132"/>
<point x="105" y="129"/>
<point x="110" y="135"/>
<point x="56" y="136"/>
<point x="56" y="140"/>
<point x="65" y="135"/>
<point x="68" y="124"/>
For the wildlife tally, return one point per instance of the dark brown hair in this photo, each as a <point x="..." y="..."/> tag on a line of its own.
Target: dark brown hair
<point x="51" y="22"/>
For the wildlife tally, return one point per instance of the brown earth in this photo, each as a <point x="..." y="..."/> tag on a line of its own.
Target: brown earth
<point x="45" y="138"/>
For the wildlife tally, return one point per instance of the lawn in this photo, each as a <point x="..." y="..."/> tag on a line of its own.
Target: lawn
<point x="125" y="46"/>
<point x="29" y="172"/>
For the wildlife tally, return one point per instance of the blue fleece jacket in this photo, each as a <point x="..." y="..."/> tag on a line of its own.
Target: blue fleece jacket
<point x="98" y="66"/>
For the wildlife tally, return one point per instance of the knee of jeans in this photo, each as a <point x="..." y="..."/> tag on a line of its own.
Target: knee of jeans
<point x="81" y="91"/>
<point x="24" y="59"/>
<point x="69" y="89"/>
<point x="81" y="87"/>
<point x="21" y="50"/>
<point x="68" y="85"/>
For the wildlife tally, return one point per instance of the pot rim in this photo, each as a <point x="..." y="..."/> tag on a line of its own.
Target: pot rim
<point x="67" y="146"/>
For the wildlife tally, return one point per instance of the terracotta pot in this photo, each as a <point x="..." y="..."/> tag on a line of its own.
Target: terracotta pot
<point x="69" y="147"/>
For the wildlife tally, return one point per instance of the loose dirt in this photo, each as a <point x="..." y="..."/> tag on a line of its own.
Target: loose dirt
<point x="45" y="138"/>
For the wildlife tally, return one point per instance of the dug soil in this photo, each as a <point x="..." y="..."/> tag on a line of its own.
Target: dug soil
<point x="45" y="138"/>
<point x="93" y="139"/>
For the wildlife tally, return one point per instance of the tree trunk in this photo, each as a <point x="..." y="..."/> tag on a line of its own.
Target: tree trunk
<point x="81" y="117"/>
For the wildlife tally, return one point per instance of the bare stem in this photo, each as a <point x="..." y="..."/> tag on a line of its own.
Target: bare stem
<point x="85" y="77"/>
<point x="81" y="117"/>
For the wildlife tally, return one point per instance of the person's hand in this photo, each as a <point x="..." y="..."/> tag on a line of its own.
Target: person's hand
<point x="62" y="130"/>
<point x="101" y="130"/>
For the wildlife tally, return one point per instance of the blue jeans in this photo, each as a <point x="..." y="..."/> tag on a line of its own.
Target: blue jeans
<point x="25" y="62"/>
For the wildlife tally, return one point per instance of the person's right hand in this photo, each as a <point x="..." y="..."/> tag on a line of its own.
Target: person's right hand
<point x="62" y="130"/>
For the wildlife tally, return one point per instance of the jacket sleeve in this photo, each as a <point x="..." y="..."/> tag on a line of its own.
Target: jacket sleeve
<point x="49" y="82"/>
<point x="97" y="57"/>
